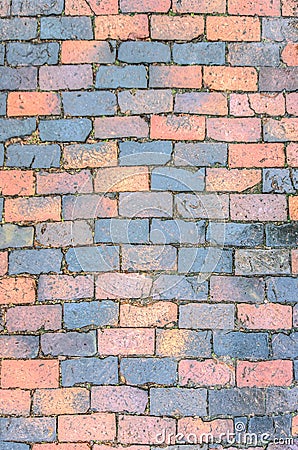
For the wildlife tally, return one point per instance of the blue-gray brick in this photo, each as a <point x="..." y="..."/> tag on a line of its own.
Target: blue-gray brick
<point x="199" y="53"/>
<point x="176" y="231"/>
<point x="204" y="316"/>
<point x="20" y="79"/>
<point x="37" y="429"/>
<point x="285" y="346"/>
<point x="235" y="234"/>
<point x="173" y="179"/>
<point x="282" y="289"/>
<point x="35" y="261"/>
<point x="204" y="154"/>
<point x="235" y="402"/>
<point x="262" y="262"/>
<point x="79" y="315"/>
<point x="16" y="128"/>
<point x="205" y="260"/>
<point x="124" y="231"/>
<point x="1" y="156"/>
<point x="1" y="208"/>
<point x="113" y="77"/>
<point x="2" y="52"/>
<point x="180" y="287"/>
<point x="3" y="99"/>
<point x="271" y="427"/>
<point x="241" y="345"/>
<point x="151" y="101"/>
<point x="96" y="371"/>
<point x="65" y="130"/>
<point x="64" y="28"/>
<point x="279" y="29"/>
<point x="36" y="7"/>
<point x="69" y="344"/>
<point x="93" y="259"/>
<point x="296" y="370"/>
<point x="285" y="235"/>
<point x="178" y="402"/>
<point x="18" y="28"/>
<point x="146" y="52"/>
<point x="33" y="156"/>
<point x="63" y="234"/>
<point x="145" y="153"/>
<point x="21" y="347"/>
<point x="254" y="54"/>
<point x="281" y="400"/>
<point x="89" y="103"/>
<point x="15" y="236"/>
<point x="149" y="370"/>
<point x="13" y="446"/>
<point x="280" y="181"/>
<point x="23" y="54"/>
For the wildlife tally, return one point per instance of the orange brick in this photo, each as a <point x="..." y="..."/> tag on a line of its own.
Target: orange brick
<point x="48" y="402"/>
<point x="268" y="316"/>
<point x="80" y="52"/>
<point x="264" y="373"/>
<point x="295" y="426"/>
<point x="210" y="372"/>
<point x="256" y="155"/>
<point x="289" y="8"/>
<point x="17" y="290"/>
<point x="234" y="180"/>
<point x="79" y="156"/>
<point x="158" y="314"/>
<point x="252" y="7"/>
<point x="122" y="179"/>
<point x="17" y="182"/>
<point x="33" y="209"/>
<point x="126" y="341"/>
<point x="33" y="104"/>
<point x="15" y="402"/>
<point x="80" y="446"/>
<point x="295" y="262"/>
<point x="176" y="343"/>
<point x="197" y="427"/>
<point x="231" y="78"/>
<point x="290" y="54"/>
<point x="95" y="427"/>
<point x="293" y="207"/>
<point x="3" y="263"/>
<point x="37" y="373"/>
<point x="179" y="127"/>
<point x="34" y="318"/>
<point x="145" y="429"/>
<point x="292" y="105"/>
<point x="201" y="6"/>
<point x="90" y="7"/>
<point x="183" y="28"/>
<point x="122" y="27"/>
<point x="176" y="76"/>
<point x="229" y="130"/>
<point x="225" y="28"/>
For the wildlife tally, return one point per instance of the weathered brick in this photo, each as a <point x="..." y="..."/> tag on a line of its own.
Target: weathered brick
<point x="32" y="374"/>
<point x="268" y="316"/>
<point x="34" y="318"/>
<point x="145" y="257"/>
<point x="279" y="29"/>
<point x="144" y="52"/>
<point x="149" y="370"/>
<point x="121" y="179"/>
<point x="254" y="54"/>
<point x="144" y="429"/>
<point x="229" y="130"/>
<point x="82" y="52"/>
<point x="156" y="314"/>
<point x="10" y="128"/>
<point x="201" y="7"/>
<point x="73" y="77"/>
<point x="89" y="206"/>
<point x="203" y="53"/>
<point x="281" y="400"/>
<point x="264" y="373"/>
<point x="145" y="102"/>
<point x="205" y="316"/>
<point x="121" y="27"/>
<point x="256" y="155"/>
<point x="204" y="260"/>
<point x="293" y="207"/>
<point x="177" y="231"/>
<point x="210" y="372"/>
<point x="36" y="429"/>
<point x="261" y="262"/>
<point x="285" y="346"/>
<point x="15" y="402"/>
<point x="237" y="402"/>
<point x="233" y="28"/>
<point x="181" y="28"/>
<point x="273" y="79"/>
<point x="33" y="104"/>
<point x="144" y="153"/>
<point x="203" y="206"/>
<point x="92" y="259"/>
<point x="92" y="7"/>
<point x="250" y="290"/>
<point x="120" y="127"/>
<point x="113" y="77"/>
<point x="280" y="130"/>
<point x="32" y="209"/>
<point x="95" y="427"/>
<point x="145" y="204"/>
<point x="236" y="344"/>
<point x="178" y="127"/>
<point x="201" y="154"/>
<point x="291" y="102"/>
<point x="16" y="28"/>
<point x="17" y="182"/>
<point x="63" y="28"/>
<point x="178" y="402"/>
<point x="33" y="156"/>
<point x="34" y="8"/>
<point x="145" y="5"/>
<point x="233" y="180"/>
<point x="195" y="426"/>
<point x="18" y="79"/>
<point x="123" y="231"/>
<point x="65" y="130"/>
<point x="282" y="235"/>
<point x="15" y="236"/>
<point x="250" y="8"/>
<point x="89" y="370"/>
<point x="235" y="234"/>
<point x="17" y="347"/>
<point x="126" y="341"/>
<point x="64" y="183"/>
<point x="63" y="234"/>
<point x="262" y="207"/>
<point x="89" y="103"/>
<point x="17" y="290"/>
<point x="23" y="54"/>
<point x="79" y="315"/>
<point x="69" y="344"/>
<point x="183" y="343"/>
<point x="35" y="261"/>
<point x="47" y="402"/>
<point x="3" y="263"/>
<point x="201" y="103"/>
<point x="125" y="399"/>
<point x="101" y="154"/>
<point x="122" y="285"/>
<point x="180" y="287"/>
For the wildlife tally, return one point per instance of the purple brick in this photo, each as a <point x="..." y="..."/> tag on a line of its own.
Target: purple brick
<point x="69" y="344"/>
<point x="238" y="289"/>
<point x="254" y="54"/>
<point x="63" y="234"/>
<point x="19" y="347"/>
<point x="20" y="79"/>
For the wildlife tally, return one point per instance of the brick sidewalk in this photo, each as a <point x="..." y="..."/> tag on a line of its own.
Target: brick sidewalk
<point x="149" y="224"/>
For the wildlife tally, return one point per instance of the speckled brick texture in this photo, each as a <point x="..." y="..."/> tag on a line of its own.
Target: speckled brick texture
<point x="148" y="224"/>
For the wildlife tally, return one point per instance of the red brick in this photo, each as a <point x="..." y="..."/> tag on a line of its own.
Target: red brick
<point x="224" y="28"/>
<point x="17" y="182"/>
<point x="271" y="104"/>
<point x="292" y="103"/>
<point x="256" y="155"/>
<point x="179" y="127"/>
<point x="293" y="207"/>
<point x="158" y="314"/>
<point x="252" y="8"/>
<point x="53" y="78"/>
<point x="118" y="399"/>
<point x="95" y="427"/>
<point x="82" y="52"/>
<point x="48" y="402"/>
<point x="171" y="28"/>
<point x="65" y="287"/>
<point x="61" y="447"/>
<point x="33" y="104"/>
<point x="122" y="285"/>
<point x="263" y="207"/>
<point x="120" y="447"/>
<point x="5" y="8"/>
<point x="145" y="5"/>
<point x="199" y="6"/>
<point x="196" y="426"/>
<point x="37" y="373"/>
<point x="122" y="27"/>
<point x="264" y="373"/>
<point x="15" y="402"/>
<point x="17" y="290"/>
<point x="295" y="262"/>
<point x="290" y="54"/>
<point x="3" y="263"/>
<point x="231" y="78"/>
<point x="229" y="130"/>
<point x="122" y="179"/>
<point x="292" y="155"/>
<point x="289" y="8"/>
<point x="207" y="103"/>
<point x="79" y="156"/>
<point x="34" y="318"/>
<point x="33" y="209"/>
<point x="189" y="77"/>
<point x="144" y="429"/>
<point x="126" y="341"/>
<point x="90" y="7"/>
<point x="269" y="316"/>
<point x="233" y="180"/>
<point x="113" y="127"/>
<point x="239" y="106"/>
<point x="64" y="183"/>
<point x="281" y="130"/>
<point x="210" y="372"/>
<point x="295" y="426"/>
